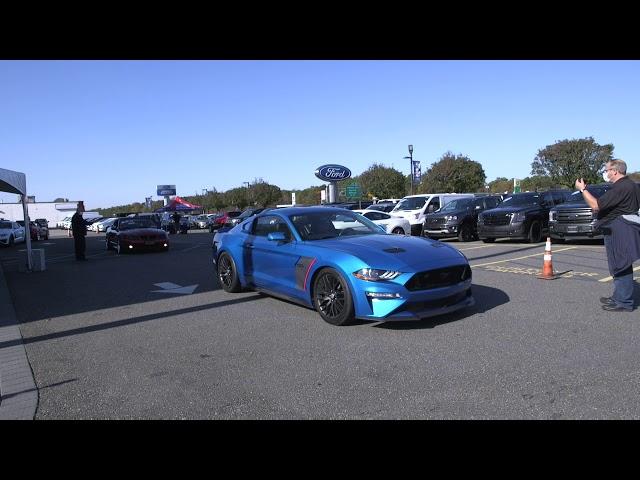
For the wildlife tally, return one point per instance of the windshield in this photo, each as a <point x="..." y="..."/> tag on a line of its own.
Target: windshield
<point x="522" y="199"/>
<point x="595" y="191"/>
<point x="411" y="203"/>
<point x="246" y="213"/>
<point x="131" y="223"/>
<point x="323" y="225"/>
<point x="5" y="224"/>
<point x="458" y="204"/>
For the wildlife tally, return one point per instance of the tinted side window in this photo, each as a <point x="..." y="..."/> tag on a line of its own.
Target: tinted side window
<point x="433" y="205"/>
<point x="374" y="216"/>
<point x="263" y="226"/>
<point x="491" y="202"/>
<point x="558" y="197"/>
<point x="547" y="200"/>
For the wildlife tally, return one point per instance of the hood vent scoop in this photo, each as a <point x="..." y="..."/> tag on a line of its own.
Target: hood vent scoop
<point x="394" y="250"/>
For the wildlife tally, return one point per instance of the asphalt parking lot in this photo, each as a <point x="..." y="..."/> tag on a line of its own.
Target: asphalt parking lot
<point x="152" y="336"/>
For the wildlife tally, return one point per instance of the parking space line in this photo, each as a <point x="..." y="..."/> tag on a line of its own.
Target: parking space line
<point x="520" y="258"/>
<point x="608" y="279"/>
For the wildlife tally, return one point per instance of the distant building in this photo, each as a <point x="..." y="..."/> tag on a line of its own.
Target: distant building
<point x="53" y="212"/>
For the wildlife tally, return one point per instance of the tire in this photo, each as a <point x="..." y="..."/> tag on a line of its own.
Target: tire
<point x="119" y="249"/>
<point x="11" y="240"/>
<point x="332" y="298"/>
<point x="228" y="274"/>
<point x="535" y="232"/>
<point x="466" y="233"/>
<point x="488" y="240"/>
<point x="398" y="231"/>
<point x="106" y="243"/>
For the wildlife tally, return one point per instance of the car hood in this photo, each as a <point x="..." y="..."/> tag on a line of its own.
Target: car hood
<point x="395" y="251"/>
<point x="143" y="231"/>
<point x="459" y="211"/>
<point x="565" y="206"/>
<point x="514" y="209"/>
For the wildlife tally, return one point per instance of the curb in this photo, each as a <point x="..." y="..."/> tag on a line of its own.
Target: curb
<point x="18" y="392"/>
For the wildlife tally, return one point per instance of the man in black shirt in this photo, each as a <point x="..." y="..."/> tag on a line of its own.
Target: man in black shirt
<point x="621" y="238"/>
<point x="79" y="228"/>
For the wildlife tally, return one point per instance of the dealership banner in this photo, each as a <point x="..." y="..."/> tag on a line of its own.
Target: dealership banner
<point x="164" y="190"/>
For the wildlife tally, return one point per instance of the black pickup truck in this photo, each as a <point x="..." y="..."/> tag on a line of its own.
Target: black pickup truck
<point x="458" y="218"/>
<point x="520" y="215"/>
<point x="574" y="220"/>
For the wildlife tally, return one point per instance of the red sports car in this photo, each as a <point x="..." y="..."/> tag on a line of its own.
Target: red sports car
<point x="132" y="234"/>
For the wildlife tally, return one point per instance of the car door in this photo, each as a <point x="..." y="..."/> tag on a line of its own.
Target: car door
<point x="273" y="262"/>
<point x="19" y="232"/>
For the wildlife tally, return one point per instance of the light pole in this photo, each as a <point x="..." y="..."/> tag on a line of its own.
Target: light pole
<point x="410" y="157"/>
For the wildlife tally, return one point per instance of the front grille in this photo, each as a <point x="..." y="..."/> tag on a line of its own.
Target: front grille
<point x="149" y="237"/>
<point x="434" y="222"/>
<point x="497" y="219"/>
<point x="574" y="215"/>
<point x="441" y="277"/>
<point x="416" y="307"/>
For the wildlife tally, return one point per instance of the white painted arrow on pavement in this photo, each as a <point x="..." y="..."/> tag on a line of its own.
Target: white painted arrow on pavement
<point x="168" y="287"/>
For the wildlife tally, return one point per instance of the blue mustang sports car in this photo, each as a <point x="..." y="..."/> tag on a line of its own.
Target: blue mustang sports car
<point x="343" y="265"/>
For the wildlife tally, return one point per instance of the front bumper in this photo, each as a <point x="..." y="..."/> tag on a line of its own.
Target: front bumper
<point x="139" y="245"/>
<point x="513" y="230"/>
<point x="446" y="231"/>
<point x="413" y="305"/>
<point x="574" y="231"/>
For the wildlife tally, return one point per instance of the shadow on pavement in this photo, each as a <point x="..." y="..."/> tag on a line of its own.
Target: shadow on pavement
<point x="127" y="321"/>
<point x="486" y="298"/>
<point x="106" y="280"/>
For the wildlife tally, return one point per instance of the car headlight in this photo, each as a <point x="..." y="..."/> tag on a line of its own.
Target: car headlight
<point x="450" y="218"/>
<point x="417" y="215"/>
<point x="518" y="217"/>
<point x="552" y="216"/>
<point x="375" y="275"/>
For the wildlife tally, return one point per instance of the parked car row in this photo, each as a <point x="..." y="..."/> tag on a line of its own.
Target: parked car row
<point x="36" y="230"/>
<point x="11" y="233"/>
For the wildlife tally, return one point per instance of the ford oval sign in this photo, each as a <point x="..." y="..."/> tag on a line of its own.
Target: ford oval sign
<point x="333" y="173"/>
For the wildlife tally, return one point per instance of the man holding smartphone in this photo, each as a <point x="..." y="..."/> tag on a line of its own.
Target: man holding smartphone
<point x="618" y="218"/>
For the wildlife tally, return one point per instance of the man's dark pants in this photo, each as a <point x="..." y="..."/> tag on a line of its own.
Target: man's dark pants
<point x="80" y="245"/>
<point x="622" y="283"/>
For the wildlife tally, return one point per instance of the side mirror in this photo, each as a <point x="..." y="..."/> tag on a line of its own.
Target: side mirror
<point x="276" y="237"/>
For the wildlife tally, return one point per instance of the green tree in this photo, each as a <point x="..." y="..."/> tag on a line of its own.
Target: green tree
<point x="566" y="160"/>
<point x="308" y="196"/>
<point x="236" y="198"/>
<point x="382" y="182"/>
<point x="501" y="185"/>
<point x="264" y="194"/>
<point x="538" y="182"/>
<point x="453" y="173"/>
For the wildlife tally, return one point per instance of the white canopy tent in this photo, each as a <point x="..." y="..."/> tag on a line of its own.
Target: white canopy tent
<point x="16" y="182"/>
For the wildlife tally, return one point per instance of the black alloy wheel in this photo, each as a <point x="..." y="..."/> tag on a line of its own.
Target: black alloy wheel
<point x="535" y="232"/>
<point x="398" y="231"/>
<point x="332" y="298"/>
<point x="465" y="234"/>
<point x="228" y="274"/>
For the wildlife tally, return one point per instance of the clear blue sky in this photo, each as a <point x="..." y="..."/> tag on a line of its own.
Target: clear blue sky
<point x="109" y="132"/>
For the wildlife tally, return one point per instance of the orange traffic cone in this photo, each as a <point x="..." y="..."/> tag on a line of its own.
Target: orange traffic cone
<point x="547" y="266"/>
